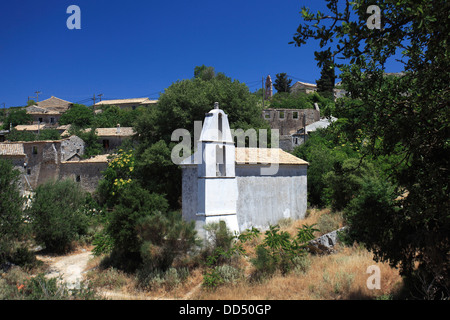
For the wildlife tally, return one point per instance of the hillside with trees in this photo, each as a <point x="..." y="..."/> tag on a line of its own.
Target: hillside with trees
<point x="380" y="170"/>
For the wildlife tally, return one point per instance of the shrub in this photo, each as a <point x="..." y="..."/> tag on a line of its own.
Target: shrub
<point x="329" y="222"/>
<point x="18" y="285"/>
<point x="165" y="237"/>
<point x="345" y="180"/>
<point x="170" y="278"/>
<point x="279" y="251"/>
<point x="56" y="214"/>
<point x="223" y="274"/>
<point x="11" y="220"/>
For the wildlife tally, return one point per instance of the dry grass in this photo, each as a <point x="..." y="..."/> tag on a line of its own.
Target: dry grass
<point x="341" y="275"/>
<point x="337" y="276"/>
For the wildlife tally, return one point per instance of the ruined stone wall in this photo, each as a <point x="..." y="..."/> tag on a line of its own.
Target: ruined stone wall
<point x="88" y="174"/>
<point x="289" y="121"/>
<point x="71" y="146"/>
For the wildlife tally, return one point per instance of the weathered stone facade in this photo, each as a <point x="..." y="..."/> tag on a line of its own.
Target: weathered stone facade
<point x="42" y="161"/>
<point x="289" y="121"/>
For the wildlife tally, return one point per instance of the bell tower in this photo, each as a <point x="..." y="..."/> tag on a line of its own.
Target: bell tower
<point x="217" y="186"/>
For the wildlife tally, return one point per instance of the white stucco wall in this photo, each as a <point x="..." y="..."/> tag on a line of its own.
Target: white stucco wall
<point x="189" y="192"/>
<point x="264" y="200"/>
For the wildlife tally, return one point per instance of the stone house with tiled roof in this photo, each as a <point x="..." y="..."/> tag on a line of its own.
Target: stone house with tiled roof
<point x="49" y="111"/>
<point x="132" y="103"/>
<point x="41" y="161"/>
<point x="112" y="138"/>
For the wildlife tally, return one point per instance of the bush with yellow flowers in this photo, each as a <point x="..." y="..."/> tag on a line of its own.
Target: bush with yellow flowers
<point x="117" y="176"/>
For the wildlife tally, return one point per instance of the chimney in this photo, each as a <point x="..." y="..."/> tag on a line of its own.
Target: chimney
<point x="118" y="128"/>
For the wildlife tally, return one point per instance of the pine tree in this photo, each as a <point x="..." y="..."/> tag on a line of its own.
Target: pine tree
<point x="325" y="84"/>
<point x="282" y="83"/>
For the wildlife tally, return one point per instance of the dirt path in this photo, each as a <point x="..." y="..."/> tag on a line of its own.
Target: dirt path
<point x="70" y="267"/>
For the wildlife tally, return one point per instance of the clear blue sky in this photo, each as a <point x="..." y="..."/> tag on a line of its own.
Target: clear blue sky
<point x="138" y="48"/>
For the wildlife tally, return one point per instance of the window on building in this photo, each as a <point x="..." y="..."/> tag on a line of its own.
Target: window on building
<point x="267" y="115"/>
<point x="106" y="144"/>
<point x="78" y="178"/>
<point x="28" y="171"/>
<point x="220" y="161"/>
<point x="52" y="120"/>
<point x="295" y="115"/>
<point x="281" y="114"/>
<point x="40" y="120"/>
<point x="35" y="150"/>
<point x="220" y="126"/>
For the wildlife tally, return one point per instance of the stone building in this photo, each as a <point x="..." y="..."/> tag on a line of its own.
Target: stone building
<point x="112" y="138"/>
<point x="305" y="87"/>
<point x="16" y="154"/>
<point x="289" y="122"/>
<point x="244" y="187"/>
<point x="49" y="111"/>
<point x="126" y="103"/>
<point x="87" y="172"/>
<point x="41" y="161"/>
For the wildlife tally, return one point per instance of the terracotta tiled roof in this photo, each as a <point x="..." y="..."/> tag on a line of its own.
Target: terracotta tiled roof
<point x="30" y="127"/>
<point x="11" y="149"/>
<point x="266" y="155"/>
<point x="54" y="104"/>
<point x="126" y="101"/>
<point x="113" y="132"/>
<point x="259" y="156"/>
<point x="99" y="158"/>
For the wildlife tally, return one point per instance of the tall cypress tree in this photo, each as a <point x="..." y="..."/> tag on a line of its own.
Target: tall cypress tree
<point x="325" y="84"/>
<point x="282" y="83"/>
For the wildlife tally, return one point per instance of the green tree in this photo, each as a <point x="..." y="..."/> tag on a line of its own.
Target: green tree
<point x="16" y="135"/>
<point x="403" y="115"/>
<point x="325" y="84"/>
<point x="133" y="203"/>
<point x="118" y="175"/>
<point x="78" y="115"/>
<point x="282" y="83"/>
<point x="111" y="116"/>
<point x="17" y="117"/>
<point x="179" y="106"/>
<point x="11" y="219"/>
<point x="56" y="214"/>
<point x="48" y="134"/>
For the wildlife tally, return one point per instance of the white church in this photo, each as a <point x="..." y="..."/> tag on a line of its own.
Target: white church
<point x="244" y="187"/>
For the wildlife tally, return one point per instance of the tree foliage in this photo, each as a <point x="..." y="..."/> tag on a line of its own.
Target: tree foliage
<point x="11" y="201"/>
<point x="405" y="115"/>
<point x="282" y="83"/>
<point x="179" y="106"/>
<point x="325" y="84"/>
<point x="78" y="115"/>
<point x="56" y="214"/>
<point x="17" y="117"/>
